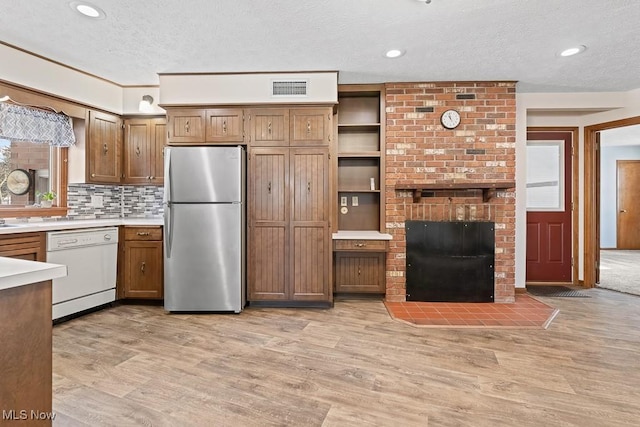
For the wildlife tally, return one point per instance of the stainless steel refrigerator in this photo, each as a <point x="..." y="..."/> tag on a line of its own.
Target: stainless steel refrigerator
<point x="204" y="229"/>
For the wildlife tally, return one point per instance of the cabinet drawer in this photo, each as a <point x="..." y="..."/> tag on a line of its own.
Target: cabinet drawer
<point x="143" y="233"/>
<point x="360" y="245"/>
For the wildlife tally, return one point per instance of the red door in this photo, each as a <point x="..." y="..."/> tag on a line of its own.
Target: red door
<point x="549" y="228"/>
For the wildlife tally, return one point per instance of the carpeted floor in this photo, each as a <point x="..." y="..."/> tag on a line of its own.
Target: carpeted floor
<point x="620" y="271"/>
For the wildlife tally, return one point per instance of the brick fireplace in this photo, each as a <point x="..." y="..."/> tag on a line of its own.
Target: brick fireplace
<point x="479" y="152"/>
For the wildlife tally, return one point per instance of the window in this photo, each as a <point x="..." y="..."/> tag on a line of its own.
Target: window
<point x="46" y="167"/>
<point x="545" y="175"/>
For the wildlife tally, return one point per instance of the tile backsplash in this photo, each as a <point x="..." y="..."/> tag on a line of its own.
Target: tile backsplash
<point x="119" y="201"/>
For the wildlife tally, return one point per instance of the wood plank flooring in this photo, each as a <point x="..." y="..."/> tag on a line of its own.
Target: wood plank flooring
<point x="347" y="366"/>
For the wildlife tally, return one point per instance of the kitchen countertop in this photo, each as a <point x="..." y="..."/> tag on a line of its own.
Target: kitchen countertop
<point x="26" y="227"/>
<point x="18" y="272"/>
<point x="361" y="235"/>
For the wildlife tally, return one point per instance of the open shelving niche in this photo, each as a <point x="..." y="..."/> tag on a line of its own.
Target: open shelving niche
<point x="360" y="158"/>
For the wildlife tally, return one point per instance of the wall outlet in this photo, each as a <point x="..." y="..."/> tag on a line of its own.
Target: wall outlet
<point x="343" y="201"/>
<point x="354" y="201"/>
<point x="97" y="201"/>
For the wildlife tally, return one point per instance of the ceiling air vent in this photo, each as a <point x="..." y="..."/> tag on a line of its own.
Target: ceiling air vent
<point x="289" y="88"/>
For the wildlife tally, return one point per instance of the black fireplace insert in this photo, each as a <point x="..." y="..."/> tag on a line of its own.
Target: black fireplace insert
<point x="450" y="261"/>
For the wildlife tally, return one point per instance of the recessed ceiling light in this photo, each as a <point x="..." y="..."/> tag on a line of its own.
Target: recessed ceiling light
<point x="573" y="51"/>
<point x="394" y="53"/>
<point x="88" y="9"/>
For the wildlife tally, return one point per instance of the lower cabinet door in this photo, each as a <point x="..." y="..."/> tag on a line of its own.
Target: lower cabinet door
<point x="360" y="272"/>
<point x="143" y="270"/>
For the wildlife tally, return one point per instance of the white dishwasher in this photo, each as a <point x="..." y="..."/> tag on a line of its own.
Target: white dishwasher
<point x="91" y="258"/>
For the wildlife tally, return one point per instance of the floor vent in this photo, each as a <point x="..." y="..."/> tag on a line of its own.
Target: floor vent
<point x="289" y="88"/>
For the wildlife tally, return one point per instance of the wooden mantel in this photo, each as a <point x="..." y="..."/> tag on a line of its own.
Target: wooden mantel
<point x="488" y="188"/>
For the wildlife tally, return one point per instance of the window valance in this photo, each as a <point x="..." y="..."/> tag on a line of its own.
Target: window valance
<point x="21" y="123"/>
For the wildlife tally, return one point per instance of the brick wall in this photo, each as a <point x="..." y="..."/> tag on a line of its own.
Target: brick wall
<point x="420" y="150"/>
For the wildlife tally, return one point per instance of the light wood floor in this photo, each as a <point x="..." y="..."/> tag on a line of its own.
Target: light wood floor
<point x="348" y="366"/>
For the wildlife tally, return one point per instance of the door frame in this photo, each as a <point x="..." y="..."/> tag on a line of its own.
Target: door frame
<point x="575" y="176"/>
<point x="592" y="196"/>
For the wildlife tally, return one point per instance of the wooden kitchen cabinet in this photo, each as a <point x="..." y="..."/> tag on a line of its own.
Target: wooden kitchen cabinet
<point x="104" y="146"/>
<point x="186" y="125"/>
<point x="142" y="263"/>
<point x="28" y="246"/>
<point x="143" y="154"/>
<point x="205" y="126"/>
<point x="360" y="266"/>
<point x="224" y="125"/>
<point x="310" y="126"/>
<point x="269" y="127"/>
<point x="289" y="237"/>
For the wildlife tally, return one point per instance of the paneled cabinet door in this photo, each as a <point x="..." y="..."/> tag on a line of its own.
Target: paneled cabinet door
<point x="269" y="127"/>
<point x="310" y="236"/>
<point x="143" y="271"/>
<point x="310" y="126"/>
<point x="104" y="142"/>
<point x="186" y="126"/>
<point x="225" y="125"/>
<point x="143" y="153"/>
<point x="360" y="272"/>
<point x="158" y="142"/>
<point x="268" y="221"/>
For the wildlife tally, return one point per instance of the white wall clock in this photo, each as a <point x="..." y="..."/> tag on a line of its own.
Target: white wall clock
<point x="450" y="119"/>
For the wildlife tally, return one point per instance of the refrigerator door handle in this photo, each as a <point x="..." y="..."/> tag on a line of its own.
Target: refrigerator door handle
<point x="167" y="177"/>
<point x="168" y="218"/>
<point x="168" y="227"/>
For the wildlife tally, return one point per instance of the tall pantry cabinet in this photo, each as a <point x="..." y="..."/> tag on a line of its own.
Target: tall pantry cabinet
<point x="289" y="259"/>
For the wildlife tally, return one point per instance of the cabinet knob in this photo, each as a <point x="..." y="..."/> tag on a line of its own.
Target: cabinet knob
<point x="143" y="233"/>
<point x="224" y="126"/>
<point x="93" y="175"/>
<point x="360" y="245"/>
<point x="623" y="211"/>
<point x="105" y="149"/>
<point x="142" y="267"/>
<point x="186" y="126"/>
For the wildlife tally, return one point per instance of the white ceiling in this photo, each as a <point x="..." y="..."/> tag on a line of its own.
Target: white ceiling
<point x="447" y="40"/>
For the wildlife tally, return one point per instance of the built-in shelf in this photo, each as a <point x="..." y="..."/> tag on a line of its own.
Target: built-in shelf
<point x="350" y="190"/>
<point x="488" y="188"/>
<point x="373" y="154"/>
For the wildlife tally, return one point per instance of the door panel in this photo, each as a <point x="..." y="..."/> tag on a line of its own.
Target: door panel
<point x="158" y="142"/>
<point x="628" y="232"/>
<point x="203" y="257"/>
<point x="269" y="127"/>
<point x="137" y="151"/>
<point x="310" y="126"/>
<point x="205" y="174"/>
<point x="268" y="260"/>
<point x="310" y="254"/>
<point x="268" y="188"/>
<point x="269" y="228"/>
<point x="225" y="125"/>
<point x="549" y="198"/>
<point x="310" y="186"/>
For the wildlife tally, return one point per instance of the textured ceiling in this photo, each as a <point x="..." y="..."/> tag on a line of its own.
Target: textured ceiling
<point x="446" y="40"/>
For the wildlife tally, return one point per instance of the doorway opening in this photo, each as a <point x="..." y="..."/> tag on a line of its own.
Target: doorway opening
<point x="619" y="209"/>
<point x="604" y="260"/>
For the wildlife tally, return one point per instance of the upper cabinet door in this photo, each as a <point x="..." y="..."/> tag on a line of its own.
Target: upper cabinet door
<point x="310" y="126"/>
<point x="225" y="125"/>
<point x="269" y="127"/>
<point x="186" y="126"/>
<point x="158" y="142"/>
<point x="104" y="142"/>
<point x="137" y="151"/>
